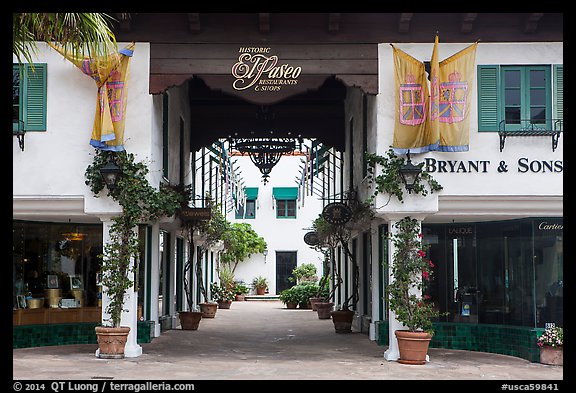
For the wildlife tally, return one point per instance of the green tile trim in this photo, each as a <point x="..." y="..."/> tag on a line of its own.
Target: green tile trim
<point x="518" y="341"/>
<point x="27" y="336"/>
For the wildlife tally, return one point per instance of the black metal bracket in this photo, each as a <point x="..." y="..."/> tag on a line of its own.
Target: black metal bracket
<point x="554" y="134"/>
<point x="20" y="136"/>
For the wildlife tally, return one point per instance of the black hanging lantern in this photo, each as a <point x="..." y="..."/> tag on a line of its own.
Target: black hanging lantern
<point x="110" y="173"/>
<point x="265" y="152"/>
<point x="409" y="173"/>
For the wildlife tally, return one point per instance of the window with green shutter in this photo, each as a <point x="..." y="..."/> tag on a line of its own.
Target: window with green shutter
<point x="29" y="97"/>
<point x="558" y="93"/>
<point x="516" y="98"/>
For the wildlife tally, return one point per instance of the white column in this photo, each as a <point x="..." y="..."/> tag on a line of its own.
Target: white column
<point x="129" y="317"/>
<point x="155" y="277"/>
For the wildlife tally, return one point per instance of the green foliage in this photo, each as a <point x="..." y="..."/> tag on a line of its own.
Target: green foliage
<point x="260" y="282"/>
<point x="240" y="242"/>
<point x="240" y="288"/>
<point x="221" y="293"/>
<point x="305" y="291"/>
<point x="411" y="269"/>
<point x="83" y="34"/>
<point x="140" y="203"/>
<point x="305" y="272"/>
<point x="290" y="295"/>
<point x="389" y="180"/>
<point x="226" y="278"/>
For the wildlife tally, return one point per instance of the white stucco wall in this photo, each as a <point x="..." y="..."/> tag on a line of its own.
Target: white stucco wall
<point x="514" y="192"/>
<point x="279" y="234"/>
<point x="52" y="165"/>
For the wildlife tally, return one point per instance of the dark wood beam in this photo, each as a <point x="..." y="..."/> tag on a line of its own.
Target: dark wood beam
<point x="532" y="20"/>
<point x="404" y="23"/>
<point x="264" y="22"/>
<point x="194" y="22"/>
<point x="468" y="22"/>
<point x="334" y="22"/>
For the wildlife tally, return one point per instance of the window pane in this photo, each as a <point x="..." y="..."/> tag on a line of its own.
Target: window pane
<point x="537" y="97"/>
<point x="250" y="209"/>
<point x="537" y="78"/>
<point x="512" y="97"/>
<point x="538" y="115"/>
<point x="15" y="95"/>
<point x="291" y="209"/>
<point x="512" y="78"/>
<point x="512" y="115"/>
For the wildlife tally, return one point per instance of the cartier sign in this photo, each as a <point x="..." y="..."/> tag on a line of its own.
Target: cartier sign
<point x="258" y="69"/>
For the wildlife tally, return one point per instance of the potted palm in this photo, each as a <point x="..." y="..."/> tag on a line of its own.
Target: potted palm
<point x="260" y="285"/>
<point x="411" y="270"/>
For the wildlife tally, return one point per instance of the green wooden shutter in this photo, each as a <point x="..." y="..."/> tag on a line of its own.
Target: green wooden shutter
<point x="34" y="99"/>
<point x="559" y="91"/>
<point x="488" y="100"/>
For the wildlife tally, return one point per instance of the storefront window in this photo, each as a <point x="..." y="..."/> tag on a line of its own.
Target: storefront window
<point x="506" y="272"/>
<point x="55" y="261"/>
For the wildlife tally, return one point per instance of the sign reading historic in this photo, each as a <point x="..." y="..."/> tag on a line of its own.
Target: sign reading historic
<point x="260" y="70"/>
<point x="195" y="213"/>
<point x="337" y="213"/>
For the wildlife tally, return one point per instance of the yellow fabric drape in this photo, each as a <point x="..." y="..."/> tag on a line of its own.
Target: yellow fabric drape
<point x="456" y="81"/>
<point x="111" y="75"/>
<point x="433" y="118"/>
<point x="411" y="131"/>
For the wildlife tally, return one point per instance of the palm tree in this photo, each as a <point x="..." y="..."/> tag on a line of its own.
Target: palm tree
<point x="84" y="34"/>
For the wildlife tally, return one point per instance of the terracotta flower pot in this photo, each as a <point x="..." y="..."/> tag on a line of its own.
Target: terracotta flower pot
<point x="291" y="305"/>
<point x="260" y="291"/>
<point x="313" y="301"/>
<point x="208" y="309"/>
<point x="190" y="320"/>
<point x="324" y="309"/>
<point x="413" y="346"/>
<point x="225" y="304"/>
<point x="342" y="320"/>
<point x="111" y="341"/>
<point x="552" y="355"/>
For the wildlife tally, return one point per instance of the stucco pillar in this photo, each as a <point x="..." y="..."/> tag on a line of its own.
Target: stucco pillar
<point x="129" y="316"/>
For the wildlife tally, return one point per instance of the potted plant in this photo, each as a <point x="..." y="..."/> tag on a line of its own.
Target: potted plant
<point x="260" y="285"/>
<point x="551" y="344"/>
<point x="240" y="290"/>
<point x="222" y="294"/>
<point x="289" y="297"/>
<point x="411" y="270"/>
<point x="140" y="202"/>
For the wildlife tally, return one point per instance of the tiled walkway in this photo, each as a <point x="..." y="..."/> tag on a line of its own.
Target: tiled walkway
<point x="262" y="340"/>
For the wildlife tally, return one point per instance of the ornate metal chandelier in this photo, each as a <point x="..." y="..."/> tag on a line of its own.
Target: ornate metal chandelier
<point x="265" y="152"/>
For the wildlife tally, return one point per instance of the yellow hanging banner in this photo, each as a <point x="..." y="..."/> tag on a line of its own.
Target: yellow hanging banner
<point x="456" y="81"/>
<point x="411" y="131"/>
<point x="111" y="75"/>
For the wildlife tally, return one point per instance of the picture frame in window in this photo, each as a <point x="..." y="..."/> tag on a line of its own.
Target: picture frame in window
<point x="76" y="282"/>
<point x="21" y="301"/>
<point x="52" y="281"/>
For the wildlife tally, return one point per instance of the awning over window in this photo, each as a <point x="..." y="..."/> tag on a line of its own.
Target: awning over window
<point x="251" y="192"/>
<point x="285" y="193"/>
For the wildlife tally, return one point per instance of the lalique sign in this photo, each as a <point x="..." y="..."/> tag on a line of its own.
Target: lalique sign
<point x="260" y="70"/>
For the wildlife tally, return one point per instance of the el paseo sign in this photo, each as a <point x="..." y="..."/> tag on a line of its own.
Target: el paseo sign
<point x="195" y="214"/>
<point x="259" y="69"/>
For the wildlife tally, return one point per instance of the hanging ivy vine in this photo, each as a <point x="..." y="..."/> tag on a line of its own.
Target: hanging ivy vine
<point x="140" y="203"/>
<point x="389" y="180"/>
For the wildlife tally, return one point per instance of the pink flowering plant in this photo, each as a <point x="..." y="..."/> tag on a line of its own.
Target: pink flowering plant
<point x="552" y="337"/>
<point x="411" y="272"/>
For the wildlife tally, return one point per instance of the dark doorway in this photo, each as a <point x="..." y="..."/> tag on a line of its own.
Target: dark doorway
<point x="285" y="263"/>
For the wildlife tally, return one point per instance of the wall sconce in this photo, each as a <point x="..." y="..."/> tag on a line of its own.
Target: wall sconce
<point x="409" y="173"/>
<point x="265" y="252"/>
<point x="110" y="173"/>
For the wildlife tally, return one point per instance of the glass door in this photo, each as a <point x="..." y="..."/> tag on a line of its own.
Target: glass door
<point x="461" y="256"/>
